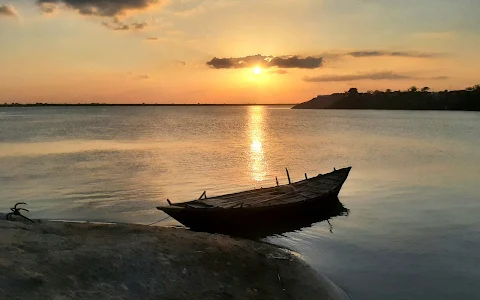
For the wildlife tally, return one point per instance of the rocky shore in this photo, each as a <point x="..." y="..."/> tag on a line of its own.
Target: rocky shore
<point x="54" y="260"/>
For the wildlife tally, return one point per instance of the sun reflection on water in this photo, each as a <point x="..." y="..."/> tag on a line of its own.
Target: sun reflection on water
<point x="257" y="164"/>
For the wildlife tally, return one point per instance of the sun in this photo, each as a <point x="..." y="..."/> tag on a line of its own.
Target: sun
<point x="257" y="70"/>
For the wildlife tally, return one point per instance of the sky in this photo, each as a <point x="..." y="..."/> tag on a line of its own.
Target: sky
<point x="232" y="51"/>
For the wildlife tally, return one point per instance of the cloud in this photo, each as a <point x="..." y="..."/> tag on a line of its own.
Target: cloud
<point x="157" y="39"/>
<point x="137" y="26"/>
<point x="48" y="8"/>
<point x="352" y="77"/>
<point x="387" y="75"/>
<point x="239" y="62"/>
<point x="8" y="10"/>
<point x="295" y="61"/>
<point x="279" y="72"/>
<point x="141" y="77"/>
<point x="378" y="53"/>
<point x="116" y="24"/>
<point x="309" y="62"/>
<point x="103" y="8"/>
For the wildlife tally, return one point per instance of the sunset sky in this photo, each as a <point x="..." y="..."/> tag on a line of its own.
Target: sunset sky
<point x="232" y="51"/>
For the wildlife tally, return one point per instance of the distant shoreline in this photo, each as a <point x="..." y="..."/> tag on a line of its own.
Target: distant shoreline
<point x="129" y="104"/>
<point x="412" y="99"/>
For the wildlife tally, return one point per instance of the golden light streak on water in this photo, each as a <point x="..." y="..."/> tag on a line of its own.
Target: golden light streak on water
<point x="257" y="163"/>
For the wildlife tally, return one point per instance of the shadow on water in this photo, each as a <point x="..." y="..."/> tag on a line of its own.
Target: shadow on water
<point x="296" y="221"/>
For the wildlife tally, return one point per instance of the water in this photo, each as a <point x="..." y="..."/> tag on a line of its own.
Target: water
<point x="413" y="231"/>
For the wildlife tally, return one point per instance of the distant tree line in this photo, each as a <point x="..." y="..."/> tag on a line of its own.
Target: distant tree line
<point x="411" y="99"/>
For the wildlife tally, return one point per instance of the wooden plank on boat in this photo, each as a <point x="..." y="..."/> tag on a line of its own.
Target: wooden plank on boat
<point x="277" y="195"/>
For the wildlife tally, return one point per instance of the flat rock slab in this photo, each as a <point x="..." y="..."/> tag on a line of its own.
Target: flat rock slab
<point x="51" y="260"/>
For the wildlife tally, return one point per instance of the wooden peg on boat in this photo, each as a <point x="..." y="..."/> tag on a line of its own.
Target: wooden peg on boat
<point x="203" y="194"/>
<point x="306" y="176"/>
<point x="288" y="175"/>
<point x="276" y="179"/>
<point x="169" y="203"/>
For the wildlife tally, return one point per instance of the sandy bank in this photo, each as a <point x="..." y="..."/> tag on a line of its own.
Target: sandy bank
<point x="86" y="261"/>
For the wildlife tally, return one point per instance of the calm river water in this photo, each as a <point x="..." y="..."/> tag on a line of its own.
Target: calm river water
<point x="413" y="231"/>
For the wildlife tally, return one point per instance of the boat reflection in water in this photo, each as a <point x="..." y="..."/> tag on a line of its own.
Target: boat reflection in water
<point x="302" y="220"/>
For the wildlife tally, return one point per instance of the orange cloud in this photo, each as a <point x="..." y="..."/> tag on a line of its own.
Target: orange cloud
<point x="8" y="10"/>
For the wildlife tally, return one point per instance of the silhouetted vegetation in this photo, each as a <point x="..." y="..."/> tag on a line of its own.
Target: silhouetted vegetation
<point x="411" y="99"/>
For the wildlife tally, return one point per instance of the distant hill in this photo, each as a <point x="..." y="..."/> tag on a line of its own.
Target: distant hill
<point x="413" y="99"/>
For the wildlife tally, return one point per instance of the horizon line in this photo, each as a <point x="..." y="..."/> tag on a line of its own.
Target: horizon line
<point x="142" y="104"/>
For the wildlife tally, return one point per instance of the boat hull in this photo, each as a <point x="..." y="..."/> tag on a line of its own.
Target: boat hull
<point x="262" y="220"/>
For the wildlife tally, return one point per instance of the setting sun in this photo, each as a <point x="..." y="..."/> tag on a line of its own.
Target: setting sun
<point x="257" y="70"/>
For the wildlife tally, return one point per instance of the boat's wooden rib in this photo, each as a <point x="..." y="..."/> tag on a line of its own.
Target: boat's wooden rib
<point x="259" y="195"/>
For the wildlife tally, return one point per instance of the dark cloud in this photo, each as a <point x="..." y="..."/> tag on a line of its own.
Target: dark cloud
<point x="48" y="8"/>
<point x="104" y="8"/>
<point x="279" y="71"/>
<point x="368" y="76"/>
<point x="142" y="77"/>
<point x="8" y="10"/>
<point x="151" y="38"/>
<point x="287" y="62"/>
<point x="239" y="62"/>
<point x="309" y="62"/>
<point x="390" y="53"/>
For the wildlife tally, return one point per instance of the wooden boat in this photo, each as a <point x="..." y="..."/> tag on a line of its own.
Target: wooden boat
<point x="252" y="211"/>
